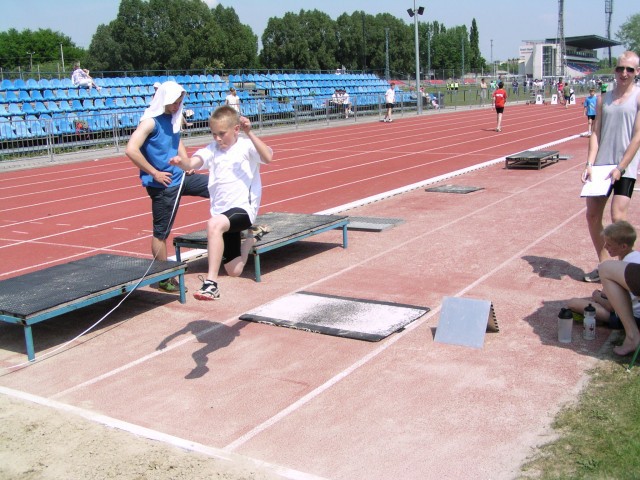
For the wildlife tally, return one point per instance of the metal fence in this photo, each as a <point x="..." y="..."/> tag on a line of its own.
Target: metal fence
<point x="71" y="132"/>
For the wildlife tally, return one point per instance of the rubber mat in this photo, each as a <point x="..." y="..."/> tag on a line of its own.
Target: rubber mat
<point x="372" y="224"/>
<point x="453" y="189"/>
<point x="338" y="316"/>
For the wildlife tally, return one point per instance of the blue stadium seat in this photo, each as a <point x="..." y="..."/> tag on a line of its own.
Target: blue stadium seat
<point x="72" y="94"/>
<point x="63" y="106"/>
<point x="76" y="106"/>
<point x="60" y="94"/>
<point x="110" y="103"/>
<point x="19" y="84"/>
<point x="14" y="109"/>
<point x="53" y="107"/>
<point x="5" y="85"/>
<point x="55" y="84"/>
<point x="99" y="104"/>
<point x="36" y="96"/>
<point x="83" y="94"/>
<point x="87" y="105"/>
<point x="32" y="84"/>
<point x="23" y="96"/>
<point x="139" y="102"/>
<point x="63" y="124"/>
<point x="41" y="108"/>
<point x="37" y="129"/>
<point x="6" y="132"/>
<point x="11" y="97"/>
<point x="4" y="112"/>
<point x="28" y="109"/>
<point x="66" y="83"/>
<point x="44" y="84"/>
<point x="22" y="129"/>
<point x="120" y="103"/>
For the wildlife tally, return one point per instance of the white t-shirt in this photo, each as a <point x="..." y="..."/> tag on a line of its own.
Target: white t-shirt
<point x="233" y="101"/>
<point x="234" y="177"/>
<point x="634" y="257"/>
<point x="390" y="96"/>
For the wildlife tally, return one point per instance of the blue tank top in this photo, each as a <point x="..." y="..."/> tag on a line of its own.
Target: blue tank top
<point x="159" y="147"/>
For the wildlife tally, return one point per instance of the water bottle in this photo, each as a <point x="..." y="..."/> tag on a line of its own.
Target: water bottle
<point x="589" y="323"/>
<point x="565" y="325"/>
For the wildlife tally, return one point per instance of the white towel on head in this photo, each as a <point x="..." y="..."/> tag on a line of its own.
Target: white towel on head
<point x="167" y="93"/>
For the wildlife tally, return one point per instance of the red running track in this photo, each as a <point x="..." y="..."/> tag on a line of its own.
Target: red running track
<point x="56" y="214"/>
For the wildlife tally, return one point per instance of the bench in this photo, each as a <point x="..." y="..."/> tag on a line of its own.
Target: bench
<point x="45" y="294"/>
<point x="286" y="228"/>
<point x="532" y="159"/>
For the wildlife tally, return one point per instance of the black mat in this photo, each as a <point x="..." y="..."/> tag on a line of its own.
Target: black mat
<point x="43" y="289"/>
<point x="284" y="226"/>
<point x="338" y="316"/>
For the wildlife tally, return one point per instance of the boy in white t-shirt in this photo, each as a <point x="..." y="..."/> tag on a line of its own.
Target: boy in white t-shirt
<point x="619" y="238"/>
<point x="235" y="190"/>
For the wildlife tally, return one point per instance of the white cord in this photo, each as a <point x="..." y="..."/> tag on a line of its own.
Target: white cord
<point x="144" y="275"/>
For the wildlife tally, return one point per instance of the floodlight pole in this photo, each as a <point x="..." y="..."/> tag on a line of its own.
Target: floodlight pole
<point x="62" y="57"/>
<point x="414" y="13"/>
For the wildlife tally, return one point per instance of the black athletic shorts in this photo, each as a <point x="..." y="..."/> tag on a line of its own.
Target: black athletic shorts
<point x="238" y="220"/>
<point x="164" y="199"/>
<point x="623" y="187"/>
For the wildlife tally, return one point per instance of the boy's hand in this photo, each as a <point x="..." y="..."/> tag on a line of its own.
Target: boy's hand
<point x="177" y="160"/>
<point x="245" y="124"/>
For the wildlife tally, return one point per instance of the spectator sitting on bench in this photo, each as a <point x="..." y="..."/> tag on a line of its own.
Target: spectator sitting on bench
<point x="81" y="78"/>
<point x="235" y="190"/>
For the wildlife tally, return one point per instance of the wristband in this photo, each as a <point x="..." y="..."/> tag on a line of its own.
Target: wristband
<point x="621" y="170"/>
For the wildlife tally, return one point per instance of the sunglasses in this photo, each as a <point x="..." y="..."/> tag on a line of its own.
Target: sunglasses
<point x="628" y="69"/>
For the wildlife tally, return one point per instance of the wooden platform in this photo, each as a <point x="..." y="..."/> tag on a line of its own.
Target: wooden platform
<point x="45" y="294"/>
<point x="532" y="159"/>
<point x="286" y="228"/>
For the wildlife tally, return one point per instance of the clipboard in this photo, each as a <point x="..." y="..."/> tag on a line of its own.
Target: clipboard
<point x="598" y="185"/>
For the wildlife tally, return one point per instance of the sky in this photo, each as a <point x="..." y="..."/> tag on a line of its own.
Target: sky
<point x="502" y="25"/>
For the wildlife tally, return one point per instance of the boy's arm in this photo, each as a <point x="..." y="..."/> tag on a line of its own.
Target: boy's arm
<point x="134" y="153"/>
<point x="265" y="152"/>
<point x="189" y="165"/>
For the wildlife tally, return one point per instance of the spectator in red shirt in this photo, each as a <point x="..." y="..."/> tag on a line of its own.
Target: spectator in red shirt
<point x="499" y="100"/>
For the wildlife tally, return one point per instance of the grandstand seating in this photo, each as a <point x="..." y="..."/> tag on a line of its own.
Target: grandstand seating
<point x="36" y="108"/>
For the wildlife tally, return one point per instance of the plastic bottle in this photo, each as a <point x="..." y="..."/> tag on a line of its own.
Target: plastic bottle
<point x="589" y="323"/>
<point x="565" y="325"/>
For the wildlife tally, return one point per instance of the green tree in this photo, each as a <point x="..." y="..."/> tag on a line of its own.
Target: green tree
<point x="303" y="41"/>
<point x="476" y="61"/>
<point x="20" y="49"/>
<point x="172" y="35"/>
<point x="629" y="33"/>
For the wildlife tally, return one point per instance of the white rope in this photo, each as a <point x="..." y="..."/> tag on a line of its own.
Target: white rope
<point x="144" y="275"/>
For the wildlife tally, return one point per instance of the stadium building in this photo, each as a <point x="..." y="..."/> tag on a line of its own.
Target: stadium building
<point x="542" y="58"/>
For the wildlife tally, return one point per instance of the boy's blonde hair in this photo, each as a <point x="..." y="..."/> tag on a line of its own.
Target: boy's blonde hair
<point x="621" y="232"/>
<point x="225" y="114"/>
